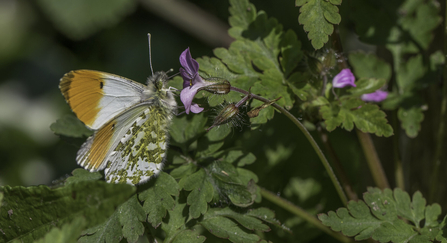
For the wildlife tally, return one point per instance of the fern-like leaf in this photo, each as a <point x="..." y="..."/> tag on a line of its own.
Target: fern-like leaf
<point x="318" y="18"/>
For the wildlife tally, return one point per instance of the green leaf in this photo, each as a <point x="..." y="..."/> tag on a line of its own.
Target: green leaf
<point x="158" y="198"/>
<point x="264" y="214"/>
<point x="68" y="233"/>
<point x="175" y="225"/>
<point x="223" y="227"/>
<point x="369" y="66"/>
<point x="291" y="52"/>
<point x="271" y="88"/>
<point x="236" y="61"/>
<point x="212" y="141"/>
<point x="304" y="189"/>
<point x="227" y="181"/>
<point x="80" y="174"/>
<point x="175" y="222"/>
<point x="201" y="192"/>
<point x="319" y="101"/>
<point x="437" y="59"/>
<point x="242" y="14"/>
<point x="356" y="220"/>
<point x="410" y="73"/>
<point x="96" y="15"/>
<point x="107" y="232"/>
<point x="240" y="157"/>
<point x="70" y="126"/>
<point x="184" y="170"/>
<point x="386" y="218"/>
<point x="432" y="213"/>
<point x="189" y="236"/>
<point x="396" y="231"/>
<point x="419" y="20"/>
<point x="213" y="67"/>
<point x="94" y="200"/>
<point x="299" y="84"/>
<point x="131" y="217"/>
<point x="245" y="176"/>
<point x="317" y="16"/>
<point x="248" y="221"/>
<point x="125" y="222"/>
<point x="442" y="234"/>
<point x="411" y="120"/>
<point x="185" y="131"/>
<point x="366" y="117"/>
<point x="366" y="86"/>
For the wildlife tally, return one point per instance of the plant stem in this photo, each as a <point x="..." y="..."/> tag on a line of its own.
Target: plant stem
<point x="337" y="165"/>
<point x="373" y="160"/>
<point x="311" y="140"/>
<point x="398" y="167"/>
<point x="441" y="129"/>
<point x="302" y="214"/>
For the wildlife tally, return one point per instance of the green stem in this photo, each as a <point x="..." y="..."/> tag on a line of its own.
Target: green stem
<point x="311" y="140"/>
<point x="373" y="160"/>
<point x="272" y="197"/>
<point x="398" y="167"/>
<point x="441" y="129"/>
<point x="337" y="165"/>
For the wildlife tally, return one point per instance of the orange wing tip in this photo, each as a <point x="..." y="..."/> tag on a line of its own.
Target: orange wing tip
<point x="83" y="91"/>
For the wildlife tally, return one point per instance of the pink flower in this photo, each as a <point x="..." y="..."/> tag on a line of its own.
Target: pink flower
<point x="343" y="78"/>
<point x="377" y="96"/>
<point x="193" y="83"/>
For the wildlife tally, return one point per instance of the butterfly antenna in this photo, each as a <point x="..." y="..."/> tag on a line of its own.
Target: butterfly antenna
<point x="150" y="56"/>
<point x="173" y="75"/>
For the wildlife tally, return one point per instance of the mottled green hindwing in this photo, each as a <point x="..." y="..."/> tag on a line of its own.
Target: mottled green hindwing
<point x="141" y="152"/>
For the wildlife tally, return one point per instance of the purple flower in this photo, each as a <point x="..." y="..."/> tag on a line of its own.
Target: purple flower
<point x="377" y="96"/>
<point x="192" y="82"/>
<point x="343" y="79"/>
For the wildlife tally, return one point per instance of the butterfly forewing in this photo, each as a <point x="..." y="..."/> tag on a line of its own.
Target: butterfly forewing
<point x="97" y="97"/>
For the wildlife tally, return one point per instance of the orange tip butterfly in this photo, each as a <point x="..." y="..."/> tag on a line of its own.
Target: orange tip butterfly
<point x="130" y="122"/>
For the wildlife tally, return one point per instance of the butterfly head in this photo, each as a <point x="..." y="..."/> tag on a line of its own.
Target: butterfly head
<point x="159" y="92"/>
<point x="158" y="80"/>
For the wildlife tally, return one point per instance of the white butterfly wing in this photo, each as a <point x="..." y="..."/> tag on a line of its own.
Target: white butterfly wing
<point x="131" y="147"/>
<point x="97" y="97"/>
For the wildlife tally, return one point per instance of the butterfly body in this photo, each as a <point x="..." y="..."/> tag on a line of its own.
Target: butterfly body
<point x="130" y="121"/>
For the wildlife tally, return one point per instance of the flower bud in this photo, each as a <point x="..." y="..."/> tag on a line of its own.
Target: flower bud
<point x="218" y="86"/>
<point x="225" y="115"/>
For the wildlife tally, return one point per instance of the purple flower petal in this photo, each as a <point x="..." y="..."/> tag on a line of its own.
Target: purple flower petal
<point x="377" y="96"/>
<point x="190" y="66"/>
<point x="186" y="79"/>
<point x="195" y="108"/>
<point x="344" y="78"/>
